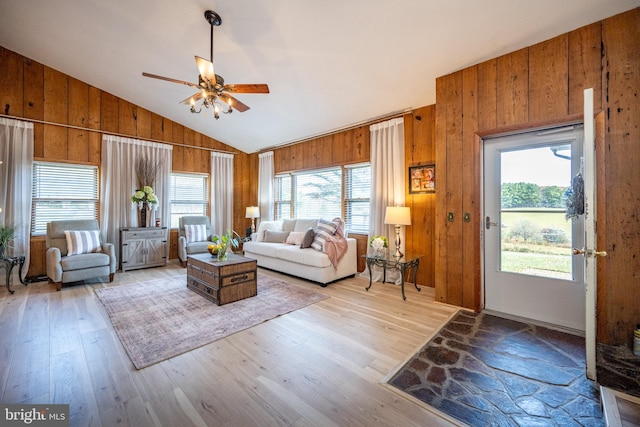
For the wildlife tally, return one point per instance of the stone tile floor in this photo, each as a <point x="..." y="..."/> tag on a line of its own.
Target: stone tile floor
<point x="489" y="371"/>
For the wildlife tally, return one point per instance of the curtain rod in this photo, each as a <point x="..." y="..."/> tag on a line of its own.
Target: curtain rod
<point x="342" y="129"/>
<point x="112" y="133"/>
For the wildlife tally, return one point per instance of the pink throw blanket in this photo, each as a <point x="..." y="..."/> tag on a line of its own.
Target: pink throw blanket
<point x="336" y="246"/>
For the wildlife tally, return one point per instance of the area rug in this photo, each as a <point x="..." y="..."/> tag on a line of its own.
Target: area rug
<point x="160" y="319"/>
<point x="488" y="371"/>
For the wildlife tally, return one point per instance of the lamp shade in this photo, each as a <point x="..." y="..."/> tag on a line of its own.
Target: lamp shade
<point x="252" y="212"/>
<point x="397" y="215"/>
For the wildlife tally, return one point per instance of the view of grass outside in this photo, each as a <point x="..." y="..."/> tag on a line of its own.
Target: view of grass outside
<point x="536" y="241"/>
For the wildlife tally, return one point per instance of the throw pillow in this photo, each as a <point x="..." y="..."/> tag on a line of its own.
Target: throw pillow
<point x="324" y="230"/>
<point x="308" y="238"/>
<point x="267" y="225"/>
<point x="271" y="236"/>
<point x="82" y="242"/>
<point x="295" y="237"/>
<point x="195" y="233"/>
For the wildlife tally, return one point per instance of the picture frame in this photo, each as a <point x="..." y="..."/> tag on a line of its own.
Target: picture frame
<point x="422" y="179"/>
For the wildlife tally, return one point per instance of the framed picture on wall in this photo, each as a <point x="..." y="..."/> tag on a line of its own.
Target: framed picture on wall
<point x="422" y="179"/>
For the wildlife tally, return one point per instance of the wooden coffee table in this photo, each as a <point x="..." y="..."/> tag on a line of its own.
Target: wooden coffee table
<point x="222" y="281"/>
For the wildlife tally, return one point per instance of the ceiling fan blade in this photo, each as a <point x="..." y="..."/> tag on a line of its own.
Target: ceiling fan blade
<point x="195" y="97"/>
<point x="237" y="105"/>
<point x="206" y="70"/>
<point x="247" y="88"/>
<point x="182" y="82"/>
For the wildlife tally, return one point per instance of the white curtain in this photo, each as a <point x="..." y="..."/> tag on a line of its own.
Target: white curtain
<point x="221" y="192"/>
<point x="16" y="154"/>
<point x="118" y="182"/>
<point x="387" y="183"/>
<point x="266" y="175"/>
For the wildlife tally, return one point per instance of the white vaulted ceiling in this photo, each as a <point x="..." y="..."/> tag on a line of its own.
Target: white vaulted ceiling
<point x="329" y="64"/>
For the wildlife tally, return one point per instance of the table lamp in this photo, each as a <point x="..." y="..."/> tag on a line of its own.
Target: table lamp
<point x="398" y="216"/>
<point x="253" y="212"/>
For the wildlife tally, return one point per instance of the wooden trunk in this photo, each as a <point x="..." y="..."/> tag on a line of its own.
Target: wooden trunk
<point x="222" y="281"/>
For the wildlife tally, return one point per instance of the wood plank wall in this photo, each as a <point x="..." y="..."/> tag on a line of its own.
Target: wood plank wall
<point x="541" y="84"/>
<point x="32" y="90"/>
<point x="353" y="146"/>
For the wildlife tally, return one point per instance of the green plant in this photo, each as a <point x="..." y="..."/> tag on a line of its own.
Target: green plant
<point x="226" y="240"/>
<point x="7" y="233"/>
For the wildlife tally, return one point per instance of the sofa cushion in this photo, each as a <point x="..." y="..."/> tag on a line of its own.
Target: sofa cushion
<point x="307" y="240"/>
<point x="82" y="241"/>
<point x="267" y="225"/>
<point x="295" y="238"/>
<point x="266" y="249"/>
<point x="82" y="261"/>
<point x="307" y="257"/>
<point x="272" y="236"/>
<point x="197" y="247"/>
<point x="324" y="230"/>
<point x="289" y="224"/>
<point x="304" y="224"/>
<point x="195" y="232"/>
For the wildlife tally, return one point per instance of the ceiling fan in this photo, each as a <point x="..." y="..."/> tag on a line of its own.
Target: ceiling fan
<point x="212" y="89"/>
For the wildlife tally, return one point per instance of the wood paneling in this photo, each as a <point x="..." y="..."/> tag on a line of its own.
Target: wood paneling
<point x="56" y="104"/>
<point x="621" y="40"/>
<point x="11" y="83"/>
<point x="420" y="150"/>
<point x="470" y="179"/>
<point x="548" y="79"/>
<point x="585" y="62"/>
<point x="78" y="116"/>
<point x="512" y="91"/>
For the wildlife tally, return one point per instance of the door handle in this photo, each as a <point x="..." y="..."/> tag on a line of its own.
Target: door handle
<point x="589" y="252"/>
<point x="488" y="223"/>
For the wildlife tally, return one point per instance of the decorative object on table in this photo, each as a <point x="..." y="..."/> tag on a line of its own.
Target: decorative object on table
<point x="144" y="196"/>
<point x="422" y="179"/>
<point x="575" y="198"/>
<point x="7" y="233"/>
<point x="378" y="243"/>
<point x="222" y="244"/>
<point x="397" y="216"/>
<point x="253" y="212"/>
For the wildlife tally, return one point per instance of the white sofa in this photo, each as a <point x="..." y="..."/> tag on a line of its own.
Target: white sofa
<point x="267" y="248"/>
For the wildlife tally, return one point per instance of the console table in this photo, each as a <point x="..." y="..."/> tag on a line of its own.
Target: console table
<point x="8" y="264"/>
<point x="404" y="263"/>
<point x="142" y="247"/>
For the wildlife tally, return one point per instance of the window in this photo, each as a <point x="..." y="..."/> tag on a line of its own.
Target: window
<point x="62" y="191"/>
<point x="324" y="193"/>
<point x="282" y="193"/>
<point x="188" y="196"/>
<point x="357" y="191"/>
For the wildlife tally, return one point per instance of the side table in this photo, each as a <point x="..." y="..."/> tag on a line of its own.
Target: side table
<point x="8" y="264"/>
<point x="402" y="264"/>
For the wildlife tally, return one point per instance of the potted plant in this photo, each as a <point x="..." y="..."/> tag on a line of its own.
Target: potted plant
<point x="7" y="233"/>
<point x="222" y="244"/>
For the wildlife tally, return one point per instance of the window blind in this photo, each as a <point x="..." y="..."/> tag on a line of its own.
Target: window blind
<point x="62" y="191"/>
<point x="357" y="193"/>
<point x="189" y="196"/>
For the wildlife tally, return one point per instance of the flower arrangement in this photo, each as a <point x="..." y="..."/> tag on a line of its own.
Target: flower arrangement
<point x="145" y="195"/>
<point x="222" y="243"/>
<point x="378" y="243"/>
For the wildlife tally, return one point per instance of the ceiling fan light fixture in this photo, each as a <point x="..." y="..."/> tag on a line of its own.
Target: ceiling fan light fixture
<point x="213" y="93"/>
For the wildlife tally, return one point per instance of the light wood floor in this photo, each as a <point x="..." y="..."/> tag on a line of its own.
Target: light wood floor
<point x="323" y="365"/>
